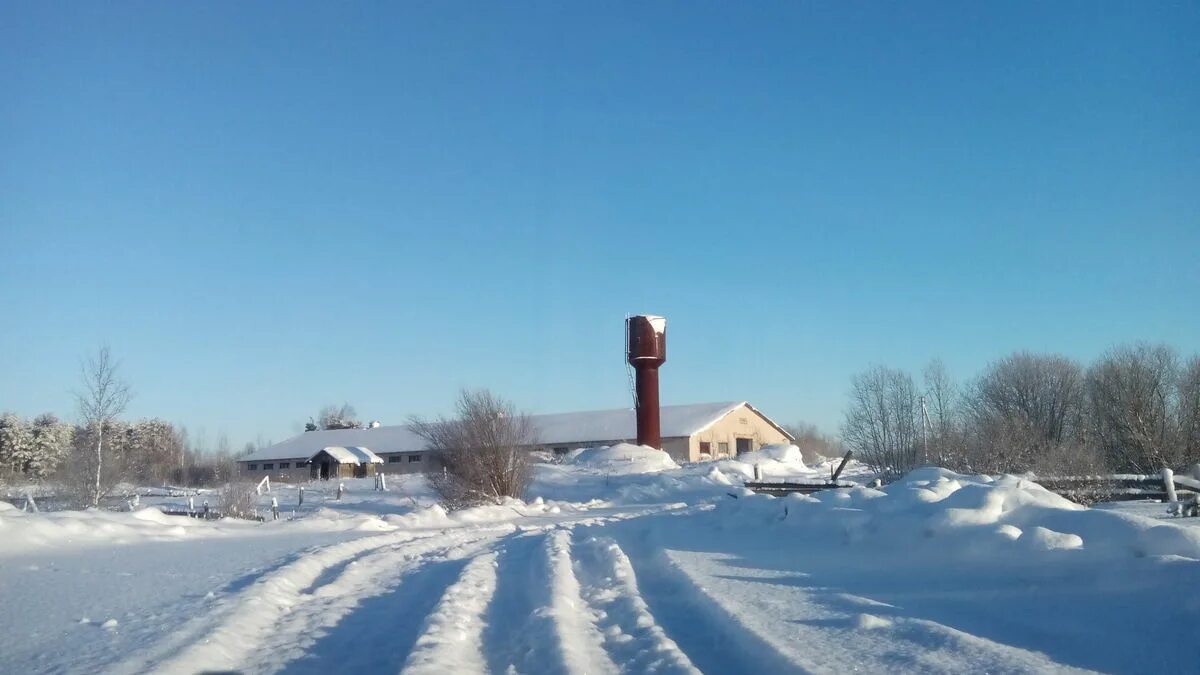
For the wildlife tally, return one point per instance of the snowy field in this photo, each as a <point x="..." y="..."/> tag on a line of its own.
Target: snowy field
<point x="620" y="562"/>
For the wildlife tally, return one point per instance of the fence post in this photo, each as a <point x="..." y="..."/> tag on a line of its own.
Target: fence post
<point x="383" y="482"/>
<point x="301" y="496"/>
<point x="341" y="489"/>
<point x="757" y="472"/>
<point x="274" y="508"/>
<point x="1168" y="477"/>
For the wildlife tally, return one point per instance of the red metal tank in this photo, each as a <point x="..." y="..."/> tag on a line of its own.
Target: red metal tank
<point x="646" y="350"/>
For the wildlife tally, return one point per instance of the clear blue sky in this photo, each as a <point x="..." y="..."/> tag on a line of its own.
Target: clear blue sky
<point x="265" y="207"/>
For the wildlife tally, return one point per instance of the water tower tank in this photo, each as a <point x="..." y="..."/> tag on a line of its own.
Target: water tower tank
<point x="646" y="339"/>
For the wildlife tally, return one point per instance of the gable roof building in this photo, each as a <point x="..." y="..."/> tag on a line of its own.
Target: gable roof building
<point x="689" y="433"/>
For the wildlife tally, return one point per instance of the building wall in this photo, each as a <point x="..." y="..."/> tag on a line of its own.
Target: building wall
<point x="678" y="448"/>
<point x="400" y="462"/>
<point x="297" y="471"/>
<point x="741" y="422"/>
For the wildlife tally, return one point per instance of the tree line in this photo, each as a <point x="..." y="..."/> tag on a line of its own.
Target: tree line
<point x="91" y="458"/>
<point x="1136" y="409"/>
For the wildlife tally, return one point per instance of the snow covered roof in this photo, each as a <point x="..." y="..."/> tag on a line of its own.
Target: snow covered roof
<point x="382" y="439"/>
<point x="621" y="424"/>
<point x="351" y="455"/>
<point x="575" y="428"/>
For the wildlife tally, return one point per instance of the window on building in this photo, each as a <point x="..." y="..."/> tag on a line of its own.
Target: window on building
<point x="395" y="459"/>
<point x="705" y="448"/>
<point x="723" y="448"/>
<point x="252" y="467"/>
<point x="414" y="458"/>
<point x="268" y="466"/>
<point x="285" y="465"/>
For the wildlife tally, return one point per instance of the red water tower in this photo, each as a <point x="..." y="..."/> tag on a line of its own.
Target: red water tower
<point x="646" y="350"/>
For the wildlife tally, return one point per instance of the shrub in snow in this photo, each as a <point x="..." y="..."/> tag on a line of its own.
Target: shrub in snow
<point x="481" y="451"/>
<point x="239" y="500"/>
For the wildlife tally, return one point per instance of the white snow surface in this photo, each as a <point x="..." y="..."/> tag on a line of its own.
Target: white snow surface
<point x="659" y="569"/>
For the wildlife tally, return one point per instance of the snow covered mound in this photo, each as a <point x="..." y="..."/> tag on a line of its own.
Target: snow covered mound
<point x="959" y="516"/>
<point x="777" y="461"/>
<point x="622" y="459"/>
<point x="778" y="452"/>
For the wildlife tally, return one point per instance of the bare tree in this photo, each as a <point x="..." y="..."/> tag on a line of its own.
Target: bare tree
<point x="814" y="445"/>
<point x="103" y="398"/>
<point x="1189" y="410"/>
<point x="1042" y="392"/>
<point x="942" y="400"/>
<point x="881" y="423"/>
<point x="1132" y="390"/>
<point x="483" y="450"/>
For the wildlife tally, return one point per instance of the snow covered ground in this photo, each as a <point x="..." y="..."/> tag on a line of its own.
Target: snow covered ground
<point x="620" y="562"/>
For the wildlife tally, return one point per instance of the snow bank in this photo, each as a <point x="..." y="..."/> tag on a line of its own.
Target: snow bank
<point x="773" y="461"/>
<point x="957" y="516"/>
<point x="622" y="459"/>
<point x="22" y="531"/>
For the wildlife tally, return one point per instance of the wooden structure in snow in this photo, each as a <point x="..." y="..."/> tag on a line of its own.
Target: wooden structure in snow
<point x="342" y="462"/>
<point x="1165" y="487"/>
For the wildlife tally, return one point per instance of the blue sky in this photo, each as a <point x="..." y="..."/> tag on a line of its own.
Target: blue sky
<point x="264" y="209"/>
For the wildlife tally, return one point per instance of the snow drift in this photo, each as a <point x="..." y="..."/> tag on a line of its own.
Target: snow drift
<point x="622" y="459"/>
<point x="958" y="516"/>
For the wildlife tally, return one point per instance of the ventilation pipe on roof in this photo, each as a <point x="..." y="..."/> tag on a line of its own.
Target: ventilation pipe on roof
<point x="646" y="350"/>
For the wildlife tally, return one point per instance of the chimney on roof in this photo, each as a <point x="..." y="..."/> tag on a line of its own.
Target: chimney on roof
<point x="646" y="350"/>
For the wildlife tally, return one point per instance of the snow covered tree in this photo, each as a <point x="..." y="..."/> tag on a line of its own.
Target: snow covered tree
<point x="338" y="417"/>
<point x="51" y="439"/>
<point x="154" y="450"/>
<point x="15" y="445"/>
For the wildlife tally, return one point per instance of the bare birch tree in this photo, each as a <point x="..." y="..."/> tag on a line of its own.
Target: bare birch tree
<point x="103" y="398"/>
<point x="483" y="450"/>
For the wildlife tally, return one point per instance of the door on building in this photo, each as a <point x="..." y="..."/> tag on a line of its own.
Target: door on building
<point x="324" y="470"/>
<point x="744" y="445"/>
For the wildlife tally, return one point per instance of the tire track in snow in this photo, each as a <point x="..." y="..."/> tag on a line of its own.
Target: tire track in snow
<point x="579" y="641"/>
<point x="379" y="573"/>
<point x="280" y="587"/>
<point x="244" y="625"/>
<point x="632" y="637"/>
<point x="521" y="591"/>
<point x="712" y="638"/>
<point x="754" y="619"/>
<point x="384" y="628"/>
<point x="452" y="639"/>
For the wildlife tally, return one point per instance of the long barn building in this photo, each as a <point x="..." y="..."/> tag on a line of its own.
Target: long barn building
<point x="689" y="433"/>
